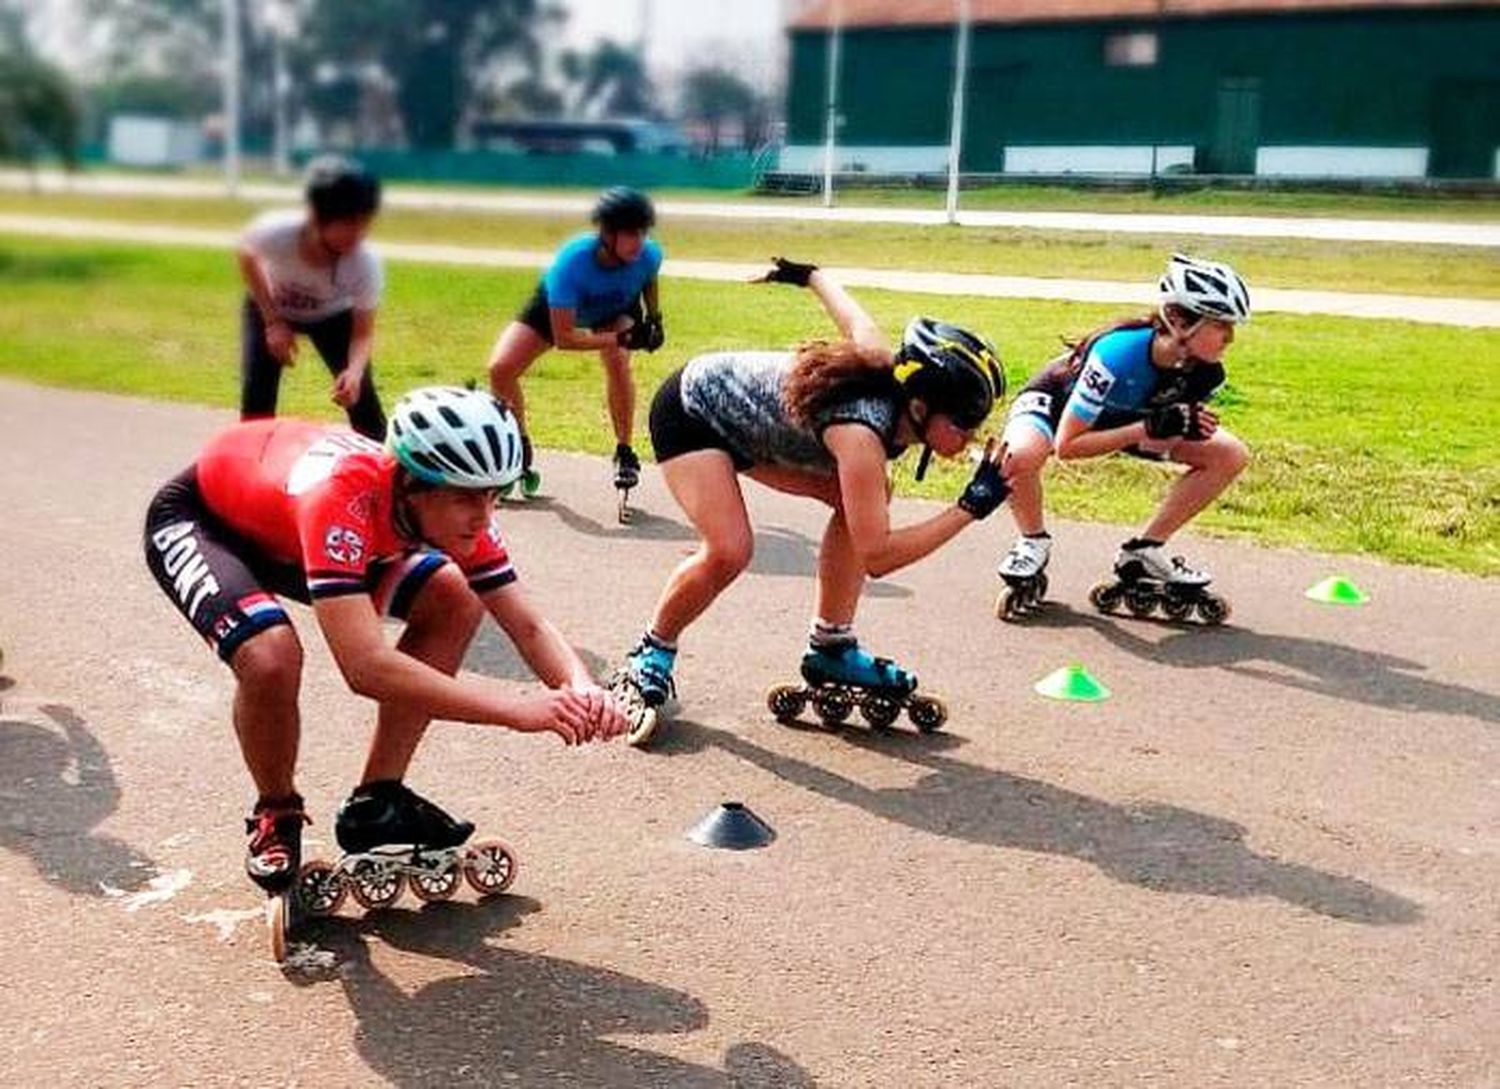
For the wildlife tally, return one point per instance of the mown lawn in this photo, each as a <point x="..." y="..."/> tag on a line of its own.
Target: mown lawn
<point x="1265" y="262"/>
<point x="1370" y="436"/>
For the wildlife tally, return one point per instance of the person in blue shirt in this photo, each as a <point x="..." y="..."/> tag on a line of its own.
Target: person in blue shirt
<point x="1139" y="387"/>
<point x="599" y="294"/>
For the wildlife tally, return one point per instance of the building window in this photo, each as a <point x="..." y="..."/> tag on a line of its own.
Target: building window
<point x="1134" y="50"/>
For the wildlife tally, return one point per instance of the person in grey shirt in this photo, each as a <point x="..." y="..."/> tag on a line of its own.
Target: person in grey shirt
<point x="824" y="421"/>
<point x="311" y="273"/>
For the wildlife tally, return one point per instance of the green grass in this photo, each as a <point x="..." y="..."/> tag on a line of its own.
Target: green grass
<point x="1370" y="436"/>
<point x="1292" y="263"/>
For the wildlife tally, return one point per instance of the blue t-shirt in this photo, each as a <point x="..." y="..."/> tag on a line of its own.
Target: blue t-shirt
<point x="1117" y="379"/>
<point x="577" y="282"/>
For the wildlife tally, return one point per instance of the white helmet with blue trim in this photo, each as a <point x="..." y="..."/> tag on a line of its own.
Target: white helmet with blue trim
<point x="461" y="438"/>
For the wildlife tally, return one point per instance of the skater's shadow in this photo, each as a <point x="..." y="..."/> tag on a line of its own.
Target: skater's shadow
<point x="1155" y="846"/>
<point x="644" y="524"/>
<point x="1308" y="665"/>
<point x="514" y="1017"/>
<point x="56" y="785"/>
<point x="494" y="655"/>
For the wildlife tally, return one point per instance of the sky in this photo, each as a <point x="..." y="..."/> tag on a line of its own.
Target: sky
<point x="742" y="34"/>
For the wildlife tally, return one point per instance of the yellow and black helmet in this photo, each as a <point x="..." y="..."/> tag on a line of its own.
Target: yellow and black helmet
<point x="950" y="370"/>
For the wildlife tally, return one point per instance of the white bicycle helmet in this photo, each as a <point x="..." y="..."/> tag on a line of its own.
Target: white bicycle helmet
<point x="1206" y="288"/>
<point x="462" y="438"/>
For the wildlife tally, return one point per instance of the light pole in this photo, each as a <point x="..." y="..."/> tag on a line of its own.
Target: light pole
<point x="831" y="124"/>
<point x="230" y="9"/>
<point x="280" y="18"/>
<point x="956" y="135"/>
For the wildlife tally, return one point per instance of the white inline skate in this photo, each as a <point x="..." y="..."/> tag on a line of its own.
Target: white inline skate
<point x="1146" y="579"/>
<point x="1024" y="570"/>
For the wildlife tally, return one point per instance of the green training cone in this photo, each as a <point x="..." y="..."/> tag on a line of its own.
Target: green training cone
<point x="1337" y="590"/>
<point x="1072" y="683"/>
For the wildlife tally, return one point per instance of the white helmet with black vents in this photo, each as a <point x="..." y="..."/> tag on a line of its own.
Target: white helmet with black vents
<point x="1205" y="288"/>
<point x="461" y="438"/>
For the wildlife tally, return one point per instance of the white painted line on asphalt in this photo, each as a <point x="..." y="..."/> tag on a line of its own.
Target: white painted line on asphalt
<point x="1320" y="228"/>
<point x="1432" y="310"/>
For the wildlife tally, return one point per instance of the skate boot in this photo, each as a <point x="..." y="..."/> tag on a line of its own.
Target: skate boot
<point x="530" y="481"/>
<point x="642" y="685"/>
<point x="627" y="476"/>
<point x="390" y="836"/>
<point x="272" y="860"/>
<point x="1024" y="570"/>
<point x="839" y="678"/>
<point x="1146" y="579"/>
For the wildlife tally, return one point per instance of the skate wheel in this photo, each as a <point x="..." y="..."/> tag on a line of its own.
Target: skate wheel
<point x="786" y="702"/>
<point x="927" y="713"/>
<point x="879" y="711"/>
<point x="1106" y="596"/>
<point x="1039" y="593"/>
<point x="1140" y="602"/>
<point x="1176" y="608"/>
<point x="1213" y="609"/>
<point x="832" y="706"/>
<point x="375" y="887"/>
<point x="624" y="512"/>
<point x="643" y="723"/>
<point x="489" y="867"/>
<point x="434" y="886"/>
<point x="279" y="923"/>
<point x="1005" y="605"/>
<point x="319" y="889"/>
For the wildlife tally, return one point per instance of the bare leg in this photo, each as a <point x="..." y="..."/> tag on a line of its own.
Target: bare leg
<point x="441" y="624"/>
<point x="268" y="673"/>
<point x="518" y="347"/>
<point x="707" y="489"/>
<point x="841" y="578"/>
<point x="619" y="386"/>
<point x="1212" y="467"/>
<point x="1026" y="452"/>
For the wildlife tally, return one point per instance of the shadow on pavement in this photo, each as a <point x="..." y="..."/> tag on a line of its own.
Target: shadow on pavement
<point x="56" y="785"/>
<point x="513" y="1017"/>
<point x="1155" y="846"/>
<point x="1316" y="665"/>
<point x="493" y="654"/>
<point x="644" y="525"/>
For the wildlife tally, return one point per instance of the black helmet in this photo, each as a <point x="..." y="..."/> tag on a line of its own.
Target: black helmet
<point x="621" y="208"/>
<point x="340" y="188"/>
<point x="951" y="370"/>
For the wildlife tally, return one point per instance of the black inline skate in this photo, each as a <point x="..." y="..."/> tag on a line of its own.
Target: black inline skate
<point x="838" y="679"/>
<point x="627" y="476"/>
<point x="1024" y="570"/>
<point x="273" y="859"/>
<point x="1146" y="580"/>
<point x="391" y="836"/>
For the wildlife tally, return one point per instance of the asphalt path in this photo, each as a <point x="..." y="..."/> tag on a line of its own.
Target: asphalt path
<point x="1271" y="858"/>
<point x="1474" y="313"/>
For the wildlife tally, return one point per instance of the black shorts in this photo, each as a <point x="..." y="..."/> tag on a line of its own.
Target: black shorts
<point x="226" y="588"/>
<point x="676" y="431"/>
<point x="537" y="314"/>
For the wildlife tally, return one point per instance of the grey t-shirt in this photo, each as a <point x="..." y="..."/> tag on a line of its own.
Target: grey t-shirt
<point x="304" y="292"/>
<point x="738" y="394"/>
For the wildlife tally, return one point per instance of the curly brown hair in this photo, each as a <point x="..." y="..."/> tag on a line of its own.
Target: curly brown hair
<point x="827" y="370"/>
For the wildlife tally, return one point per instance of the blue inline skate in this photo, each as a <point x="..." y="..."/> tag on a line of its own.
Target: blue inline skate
<point x="839" y="679"/>
<point x="642" y="685"/>
<point x="391" y="837"/>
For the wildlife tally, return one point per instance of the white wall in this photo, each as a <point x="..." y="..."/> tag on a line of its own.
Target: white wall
<point x="1342" y="162"/>
<point x="153" y="141"/>
<point x="1095" y="159"/>
<point x="808" y="159"/>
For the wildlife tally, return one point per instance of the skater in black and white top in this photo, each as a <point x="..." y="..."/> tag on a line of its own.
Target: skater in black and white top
<point x="824" y="421"/>
<point x="1139" y="387"/>
<point x="311" y="273"/>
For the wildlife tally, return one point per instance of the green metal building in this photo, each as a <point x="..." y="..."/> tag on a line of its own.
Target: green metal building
<point x="1282" y="88"/>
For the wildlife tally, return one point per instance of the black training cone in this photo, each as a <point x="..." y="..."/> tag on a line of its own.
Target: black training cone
<point x="733" y="826"/>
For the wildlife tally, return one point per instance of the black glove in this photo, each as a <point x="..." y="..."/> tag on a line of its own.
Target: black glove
<point x="985" y="491"/>
<point x="643" y="335"/>
<point x="1177" y="420"/>
<point x="788" y="272"/>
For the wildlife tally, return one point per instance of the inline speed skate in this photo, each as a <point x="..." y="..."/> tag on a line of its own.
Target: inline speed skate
<point x="1024" y="570"/>
<point x="627" y="476"/>
<point x="1146" y="579"/>
<point x="392" y="837"/>
<point x="642" y="685"/>
<point x="839" y="679"/>
<point x="529" y="483"/>
<point x="272" y="861"/>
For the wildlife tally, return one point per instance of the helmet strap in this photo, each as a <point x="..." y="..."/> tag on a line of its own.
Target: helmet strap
<point x="923" y="461"/>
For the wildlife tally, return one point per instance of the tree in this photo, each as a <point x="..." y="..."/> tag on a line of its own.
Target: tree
<point x="437" y="52"/>
<point x="716" y="95"/>
<point x="38" y="110"/>
<point x="612" y="81"/>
